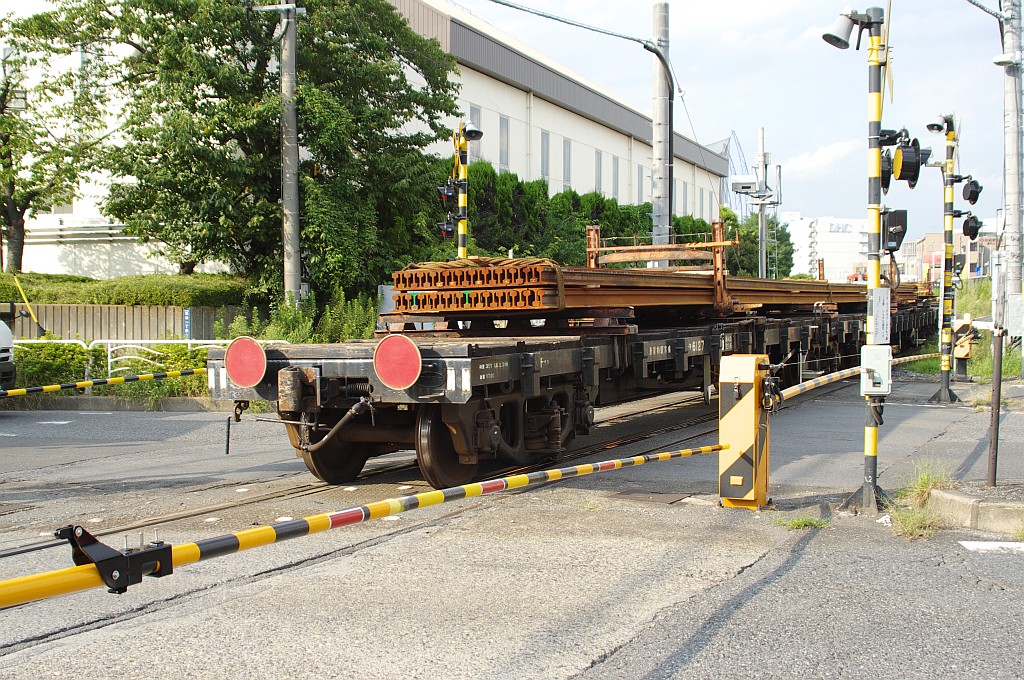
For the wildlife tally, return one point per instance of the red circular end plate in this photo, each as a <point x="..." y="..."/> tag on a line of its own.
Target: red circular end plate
<point x="397" y="362"/>
<point x="245" y="361"/>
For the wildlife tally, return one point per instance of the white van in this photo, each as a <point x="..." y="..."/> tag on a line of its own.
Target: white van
<point x="7" y="373"/>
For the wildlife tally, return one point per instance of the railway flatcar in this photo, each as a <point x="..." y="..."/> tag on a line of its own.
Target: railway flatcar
<point x="505" y="360"/>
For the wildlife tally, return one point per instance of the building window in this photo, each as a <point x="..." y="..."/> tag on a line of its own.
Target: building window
<point x="597" y="170"/>
<point x="702" y="203"/>
<point x="474" y="118"/>
<point x="545" y="154"/>
<point x="639" y="183"/>
<point x="566" y="164"/>
<point x="503" y="143"/>
<point x="615" y="177"/>
<point x="686" y="198"/>
<point x="64" y="209"/>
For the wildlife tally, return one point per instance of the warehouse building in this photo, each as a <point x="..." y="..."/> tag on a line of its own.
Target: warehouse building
<point x="540" y="122"/>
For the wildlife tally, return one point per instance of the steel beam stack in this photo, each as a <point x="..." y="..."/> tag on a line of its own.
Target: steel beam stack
<point x="481" y="287"/>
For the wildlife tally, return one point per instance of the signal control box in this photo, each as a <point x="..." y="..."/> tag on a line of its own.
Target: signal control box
<point x="876" y="370"/>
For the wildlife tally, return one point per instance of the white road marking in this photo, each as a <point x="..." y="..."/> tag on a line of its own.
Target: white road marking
<point x="993" y="546"/>
<point x="7" y="434"/>
<point x="55" y="422"/>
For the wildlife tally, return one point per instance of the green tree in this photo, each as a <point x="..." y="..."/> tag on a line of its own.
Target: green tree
<point x="51" y="124"/>
<point x="198" y="172"/>
<point x="743" y="260"/>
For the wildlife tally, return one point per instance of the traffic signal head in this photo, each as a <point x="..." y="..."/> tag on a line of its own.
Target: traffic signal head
<point x="972" y="190"/>
<point x="447" y="227"/>
<point x="447" y="190"/>
<point x="894" y="229"/>
<point x="906" y="162"/>
<point x="972" y="225"/>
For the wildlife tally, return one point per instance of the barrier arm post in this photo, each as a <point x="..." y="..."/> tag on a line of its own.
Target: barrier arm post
<point x="743" y="432"/>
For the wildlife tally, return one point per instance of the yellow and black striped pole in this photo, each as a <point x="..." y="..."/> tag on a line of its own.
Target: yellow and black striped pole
<point x="875" y="19"/>
<point x="944" y="394"/>
<point x="24" y="589"/>
<point x="462" y="183"/>
<point x="82" y="384"/>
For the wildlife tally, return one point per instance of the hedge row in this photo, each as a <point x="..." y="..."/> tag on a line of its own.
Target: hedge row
<point x="197" y="290"/>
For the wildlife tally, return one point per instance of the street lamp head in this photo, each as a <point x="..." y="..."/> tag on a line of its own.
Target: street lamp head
<point x="472" y="132"/>
<point x="838" y="35"/>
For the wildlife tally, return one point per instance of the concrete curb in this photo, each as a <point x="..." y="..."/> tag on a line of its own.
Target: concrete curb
<point x="961" y="510"/>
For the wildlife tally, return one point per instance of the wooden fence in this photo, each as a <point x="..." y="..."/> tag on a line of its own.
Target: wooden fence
<point x="123" y="322"/>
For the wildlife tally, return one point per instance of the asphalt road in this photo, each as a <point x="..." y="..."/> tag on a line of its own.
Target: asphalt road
<point x="633" y="573"/>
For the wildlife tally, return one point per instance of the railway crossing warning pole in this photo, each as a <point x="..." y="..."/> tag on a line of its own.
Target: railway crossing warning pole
<point x="878" y="313"/>
<point x="465" y="135"/>
<point x="944" y="394"/>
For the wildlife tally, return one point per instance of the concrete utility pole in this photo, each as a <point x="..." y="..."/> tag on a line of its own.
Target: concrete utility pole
<point x="661" y="207"/>
<point x="290" y="162"/>
<point x="763" y="161"/>
<point x="1011" y="27"/>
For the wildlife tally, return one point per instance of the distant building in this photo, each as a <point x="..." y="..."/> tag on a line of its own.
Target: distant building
<point x="841" y="243"/>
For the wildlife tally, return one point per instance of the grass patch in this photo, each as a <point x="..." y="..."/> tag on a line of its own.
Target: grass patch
<point x="910" y="518"/>
<point x="914" y="523"/>
<point x="1018" y="535"/>
<point x="927" y="476"/>
<point x="797" y="523"/>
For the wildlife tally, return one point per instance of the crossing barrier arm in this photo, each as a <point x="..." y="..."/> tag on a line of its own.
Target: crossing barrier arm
<point x="25" y="589"/>
<point x="82" y="384"/>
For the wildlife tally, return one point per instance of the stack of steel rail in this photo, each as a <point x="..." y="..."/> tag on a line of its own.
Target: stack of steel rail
<point x="482" y="286"/>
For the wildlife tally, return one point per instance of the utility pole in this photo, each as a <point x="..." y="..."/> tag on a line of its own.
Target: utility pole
<point x="289" y="151"/>
<point x="763" y="161"/>
<point x="290" y="162"/>
<point x="661" y="208"/>
<point x="1011" y="26"/>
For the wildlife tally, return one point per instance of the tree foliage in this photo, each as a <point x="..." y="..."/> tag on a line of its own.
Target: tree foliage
<point x="197" y="170"/>
<point x="743" y="259"/>
<point x="51" y="124"/>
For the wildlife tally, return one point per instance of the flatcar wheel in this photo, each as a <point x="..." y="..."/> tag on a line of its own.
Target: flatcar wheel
<point x="337" y="462"/>
<point x="435" y="451"/>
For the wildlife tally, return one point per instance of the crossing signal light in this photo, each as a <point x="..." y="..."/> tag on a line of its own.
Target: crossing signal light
<point x="447" y="191"/>
<point x="907" y="160"/>
<point x="447" y="228"/>
<point x="894" y="229"/>
<point x="972" y="225"/>
<point x="972" y="190"/>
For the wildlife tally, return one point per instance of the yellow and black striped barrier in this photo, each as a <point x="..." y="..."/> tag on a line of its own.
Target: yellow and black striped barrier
<point x="120" y="380"/>
<point x="843" y="374"/>
<point x="24" y="589"/>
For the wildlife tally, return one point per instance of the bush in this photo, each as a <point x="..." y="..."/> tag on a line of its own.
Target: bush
<point x="210" y="290"/>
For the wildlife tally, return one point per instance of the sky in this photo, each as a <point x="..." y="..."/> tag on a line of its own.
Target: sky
<point x="748" y="64"/>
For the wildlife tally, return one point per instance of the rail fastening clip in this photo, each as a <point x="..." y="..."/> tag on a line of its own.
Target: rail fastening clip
<point x="117" y="569"/>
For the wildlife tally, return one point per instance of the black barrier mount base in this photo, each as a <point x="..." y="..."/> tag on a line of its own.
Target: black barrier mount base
<point x="870" y="499"/>
<point x="943" y="396"/>
<point x="117" y="569"/>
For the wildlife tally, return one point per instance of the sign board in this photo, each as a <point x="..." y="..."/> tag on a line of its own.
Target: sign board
<point x="878" y="309"/>
<point x="187" y="323"/>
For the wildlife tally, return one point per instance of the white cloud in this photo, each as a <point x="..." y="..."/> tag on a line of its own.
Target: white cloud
<point x="813" y="164"/>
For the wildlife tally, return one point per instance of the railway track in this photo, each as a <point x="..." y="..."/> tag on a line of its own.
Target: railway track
<point x="313" y="488"/>
<point x="318" y="487"/>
